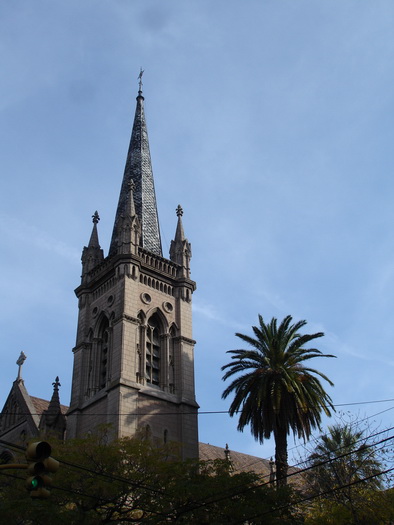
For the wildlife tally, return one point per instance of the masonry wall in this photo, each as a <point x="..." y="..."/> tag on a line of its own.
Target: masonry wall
<point x="127" y="293"/>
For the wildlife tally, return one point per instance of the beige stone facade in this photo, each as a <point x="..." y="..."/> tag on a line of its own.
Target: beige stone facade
<point x="134" y="354"/>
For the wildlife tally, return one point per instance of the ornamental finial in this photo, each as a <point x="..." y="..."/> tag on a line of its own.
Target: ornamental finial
<point x="56" y="384"/>
<point x="179" y="211"/>
<point x="95" y="217"/>
<point x="140" y="81"/>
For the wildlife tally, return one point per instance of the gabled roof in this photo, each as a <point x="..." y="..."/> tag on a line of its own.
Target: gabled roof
<point x="19" y="410"/>
<point x="27" y="414"/>
<point x="240" y="462"/>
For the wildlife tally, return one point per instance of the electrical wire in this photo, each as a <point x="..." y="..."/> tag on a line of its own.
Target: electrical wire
<point x="244" y="467"/>
<point x="91" y="471"/>
<point x="310" y="498"/>
<point x="200" y="413"/>
<point x="81" y="493"/>
<point x="227" y="494"/>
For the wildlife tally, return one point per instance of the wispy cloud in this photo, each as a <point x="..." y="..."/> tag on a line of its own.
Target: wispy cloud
<point x="209" y="311"/>
<point x="340" y="347"/>
<point x="28" y="234"/>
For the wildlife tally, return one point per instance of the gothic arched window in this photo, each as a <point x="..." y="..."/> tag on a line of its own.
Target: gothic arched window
<point x="153" y="351"/>
<point x="103" y="353"/>
<point x="171" y="361"/>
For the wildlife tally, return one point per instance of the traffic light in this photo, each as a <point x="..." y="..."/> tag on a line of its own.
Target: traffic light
<point x="40" y="465"/>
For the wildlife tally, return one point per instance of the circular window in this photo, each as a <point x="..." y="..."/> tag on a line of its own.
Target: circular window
<point x="110" y="300"/>
<point x="168" y="307"/>
<point x="146" y="298"/>
<point x="95" y="311"/>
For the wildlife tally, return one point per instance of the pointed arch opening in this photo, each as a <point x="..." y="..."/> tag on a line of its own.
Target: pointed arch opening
<point x="153" y="350"/>
<point x="172" y="359"/>
<point x="102" y="353"/>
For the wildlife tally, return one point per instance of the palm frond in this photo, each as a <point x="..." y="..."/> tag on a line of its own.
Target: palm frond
<point x="274" y="392"/>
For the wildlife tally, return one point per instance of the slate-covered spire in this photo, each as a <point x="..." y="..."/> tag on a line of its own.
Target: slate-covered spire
<point x="139" y="169"/>
<point x="92" y="254"/>
<point x="180" y="249"/>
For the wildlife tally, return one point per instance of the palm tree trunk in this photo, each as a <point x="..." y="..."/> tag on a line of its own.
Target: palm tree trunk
<point x="281" y="464"/>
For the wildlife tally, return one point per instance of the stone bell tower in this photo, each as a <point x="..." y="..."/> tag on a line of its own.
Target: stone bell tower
<point x="134" y="353"/>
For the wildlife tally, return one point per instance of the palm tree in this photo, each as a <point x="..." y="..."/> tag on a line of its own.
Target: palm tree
<point x="344" y="458"/>
<point x="276" y="393"/>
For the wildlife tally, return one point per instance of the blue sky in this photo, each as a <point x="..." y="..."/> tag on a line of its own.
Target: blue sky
<point x="270" y="122"/>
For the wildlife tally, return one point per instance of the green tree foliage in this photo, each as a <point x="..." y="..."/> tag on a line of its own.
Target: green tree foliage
<point x="345" y="470"/>
<point x="130" y="481"/>
<point x="275" y="392"/>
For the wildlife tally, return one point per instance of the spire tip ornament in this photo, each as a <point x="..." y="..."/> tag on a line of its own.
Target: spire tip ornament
<point x="140" y="81"/>
<point x="95" y="217"/>
<point x="56" y="384"/>
<point x="179" y="211"/>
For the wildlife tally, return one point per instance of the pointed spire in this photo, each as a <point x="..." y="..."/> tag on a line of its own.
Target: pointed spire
<point x="54" y="404"/>
<point x="180" y="249"/>
<point x="179" y="234"/>
<point x="92" y="255"/>
<point x="129" y="226"/>
<point x="130" y="206"/>
<point x="94" y="241"/>
<point x="52" y="418"/>
<point x="139" y="169"/>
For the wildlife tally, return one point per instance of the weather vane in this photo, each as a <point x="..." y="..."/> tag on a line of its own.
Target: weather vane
<point x="140" y="79"/>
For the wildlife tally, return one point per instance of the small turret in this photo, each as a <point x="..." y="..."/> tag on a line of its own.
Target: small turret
<point x="129" y="226"/>
<point x="180" y="249"/>
<point x="52" y="419"/>
<point x="92" y="255"/>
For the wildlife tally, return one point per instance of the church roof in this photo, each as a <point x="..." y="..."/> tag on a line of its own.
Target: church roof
<point x="28" y="415"/>
<point x="40" y="405"/>
<point x="240" y="462"/>
<point x="139" y="169"/>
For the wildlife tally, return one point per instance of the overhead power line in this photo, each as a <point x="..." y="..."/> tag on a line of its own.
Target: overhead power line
<point x="111" y="477"/>
<point x="314" y="437"/>
<point x="202" y="412"/>
<point x="80" y="493"/>
<point x="319" y="495"/>
<point x="226" y="494"/>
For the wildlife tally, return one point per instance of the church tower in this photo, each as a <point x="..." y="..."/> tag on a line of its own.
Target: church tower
<point x="133" y="359"/>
